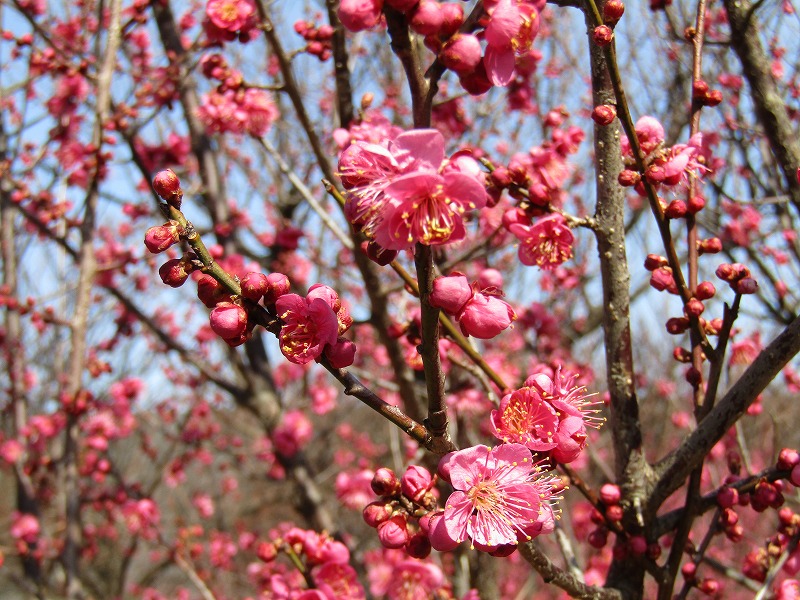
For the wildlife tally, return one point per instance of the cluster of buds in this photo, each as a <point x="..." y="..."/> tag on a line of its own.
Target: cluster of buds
<point x="477" y="307"/>
<point x="704" y="96"/>
<point x="611" y="516"/>
<point x="215" y="66"/>
<point x="402" y="502"/>
<point x="318" y="39"/>
<point x="738" y="277"/>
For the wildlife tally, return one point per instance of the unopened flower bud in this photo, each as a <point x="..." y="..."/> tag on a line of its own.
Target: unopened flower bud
<point x="676" y="209"/>
<point x="598" y="537"/>
<point x="602" y="35"/>
<point x="654" y="261"/>
<point x="419" y="546"/>
<point x="378" y="254"/>
<point x="366" y="100"/>
<point x="695" y="204"/>
<point x="694" y="308"/>
<point x="254" y="286"/>
<point x="708" y="586"/>
<point x="266" y="551"/>
<point x="385" y="482"/>
<point x="175" y="272"/>
<point x="787" y="459"/>
<point x="682" y="355"/>
<point x="628" y="178"/>
<point x="638" y="545"/>
<point x="693" y="376"/>
<point x="210" y="291"/>
<point x="727" y="497"/>
<point x="613" y="11"/>
<point x="710" y="246"/>
<point x="699" y="90"/>
<point x="278" y="286"/>
<point x="748" y="285"/>
<point x="228" y="320"/>
<point x="427" y="18"/>
<point x="713" y="98"/>
<point x="451" y="293"/>
<point x="662" y="279"/>
<point x="415" y="482"/>
<point x="168" y="187"/>
<point x="610" y="494"/>
<point x="376" y="513"/>
<point x="614" y="513"/>
<point x="160" y="237"/>
<point x="677" y="325"/>
<point x="604" y="114"/>
<point x="689" y="571"/>
<point x="342" y="354"/>
<point x="462" y="53"/>
<point x="393" y="533"/>
<point x="453" y="14"/>
<point x="705" y="290"/>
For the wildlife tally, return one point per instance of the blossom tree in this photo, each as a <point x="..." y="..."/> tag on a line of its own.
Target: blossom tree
<point x="483" y="299"/>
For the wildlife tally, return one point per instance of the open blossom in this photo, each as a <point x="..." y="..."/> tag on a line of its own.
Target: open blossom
<point x="308" y="326"/>
<point x="230" y="15"/>
<point x="512" y="27"/>
<point x="547" y="243"/>
<point x="547" y="415"/>
<point x="499" y="498"/>
<point x="240" y="111"/>
<point x="404" y="191"/>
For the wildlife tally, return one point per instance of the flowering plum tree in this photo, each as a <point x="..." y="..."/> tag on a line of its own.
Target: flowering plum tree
<point x="484" y="299"/>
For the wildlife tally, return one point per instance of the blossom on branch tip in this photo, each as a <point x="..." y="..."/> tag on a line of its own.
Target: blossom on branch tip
<point x="160" y="237"/>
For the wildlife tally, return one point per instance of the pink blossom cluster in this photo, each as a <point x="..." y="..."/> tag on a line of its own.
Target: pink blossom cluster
<point x="479" y="311"/>
<point x="403" y="191"/>
<point x="548" y="416"/>
<point x="667" y="166"/>
<point x="240" y="111"/>
<point x="396" y="576"/>
<point x="324" y="561"/>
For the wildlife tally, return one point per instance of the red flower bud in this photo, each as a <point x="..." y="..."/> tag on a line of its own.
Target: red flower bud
<point x="638" y="545"/>
<point x="376" y="513"/>
<point x="604" y="114"/>
<point x="254" y="286"/>
<point x="613" y="11"/>
<point x="598" y="538"/>
<point x="677" y="325"/>
<point x="610" y="494"/>
<point x="748" y="285"/>
<point x="694" y="308"/>
<point x="699" y="90"/>
<point x="378" y="254"/>
<point x="175" y="272"/>
<point x="654" y="261"/>
<point x="704" y="291"/>
<point x="228" y="320"/>
<point x="462" y="53"/>
<point x="266" y="551"/>
<point x="614" y="513"/>
<point x="385" y="482"/>
<point x="427" y="18"/>
<point x="416" y="482"/>
<point x="676" y="209"/>
<point x="278" y="286"/>
<point x="602" y="35"/>
<point x="453" y="14"/>
<point x="500" y="177"/>
<point x="342" y="354"/>
<point x="788" y="458"/>
<point x="710" y="246"/>
<point x="168" y="186"/>
<point x="159" y="238"/>
<point x="713" y="98"/>
<point x="696" y="204"/>
<point x="393" y="533"/>
<point x="419" y="546"/>
<point x="727" y="497"/>
<point x="210" y="291"/>
<point x="628" y="178"/>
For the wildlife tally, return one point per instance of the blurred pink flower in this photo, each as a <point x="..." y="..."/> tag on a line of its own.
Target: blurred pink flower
<point x="230" y="15"/>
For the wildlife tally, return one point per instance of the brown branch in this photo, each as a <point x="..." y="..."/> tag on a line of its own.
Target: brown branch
<point x="676" y="466"/>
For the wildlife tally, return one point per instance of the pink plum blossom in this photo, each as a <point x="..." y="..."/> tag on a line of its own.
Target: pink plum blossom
<point x="358" y="15"/>
<point x="496" y="501"/>
<point x="547" y="243"/>
<point x="512" y="27"/>
<point x="230" y="15"/>
<point x="309" y="325"/>
<point x="480" y="312"/>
